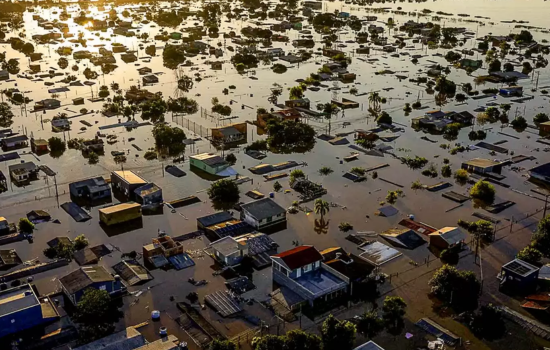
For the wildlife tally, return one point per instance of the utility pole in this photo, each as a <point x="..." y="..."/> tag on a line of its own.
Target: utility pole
<point x="56" y="193"/>
<point x="545" y="204"/>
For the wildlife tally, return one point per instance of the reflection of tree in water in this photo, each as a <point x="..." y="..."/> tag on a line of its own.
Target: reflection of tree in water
<point x="321" y="226"/>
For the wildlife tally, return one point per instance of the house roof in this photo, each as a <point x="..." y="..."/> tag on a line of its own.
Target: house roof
<point x="95" y="184"/>
<point x="147" y="189"/>
<point x="167" y="343"/>
<point x="128" y="339"/>
<point x="129" y="177"/>
<point x="17" y="138"/>
<point x="370" y="345"/>
<point x="28" y="166"/>
<point x="299" y="256"/>
<point x="520" y="267"/>
<point x="227" y="245"/>
<point x="119" y="207"/>
<point x="9" y="257"/>
<point x="215" y="218"/>
<point x="209" y="159"/>
<point x="85" y="256"/>
<point x="451" y="235"/>
<point x="84" y="277"/>
<point x="263" y="208"/>
<point x="17" y="299"/>
<point x="543" y="170"/>
<point x="132" y="272"/>
<point x="481" y="163"/>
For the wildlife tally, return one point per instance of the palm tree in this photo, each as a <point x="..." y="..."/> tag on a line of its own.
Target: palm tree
<point x="374" y="99"/>
<point x="321" y="207"/>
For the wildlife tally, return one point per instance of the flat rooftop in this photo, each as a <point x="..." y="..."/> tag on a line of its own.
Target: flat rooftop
<point x="481" y="163"/>
<point x="119" y="207"/>
<point x="320" y="282"/>
<point x="16" y="299"/>
<point x="130" y="177"/>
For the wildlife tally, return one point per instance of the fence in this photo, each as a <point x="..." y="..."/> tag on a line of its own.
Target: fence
<point x="194" y="127"/>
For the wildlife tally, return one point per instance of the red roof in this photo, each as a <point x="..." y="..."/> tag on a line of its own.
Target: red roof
<point x="300" y="256"/>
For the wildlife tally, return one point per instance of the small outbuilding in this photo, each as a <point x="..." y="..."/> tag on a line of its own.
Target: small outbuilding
<point x="518" y="276"/>
<point x="94" y="189"/>
<point x="229" y="251"/>
<point x="149" y="195"/>
<point x="120" y="213"/>
<point x="482" y="166"/>
<point x="126" y="182"/>
<point x="447" y="237"/>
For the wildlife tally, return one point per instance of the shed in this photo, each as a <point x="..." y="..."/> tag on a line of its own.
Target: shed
<point x="213" y="219"/>
<point x="117" y="214"/>
<point x="132" y="272"/>
<point x="519" y="277"/>
<point x="208" y="162"/>
<point x="541" y="172"/>
<point x="482" y="166"/>
<point x="447" y="237"/>
<point x="404" y="238"/>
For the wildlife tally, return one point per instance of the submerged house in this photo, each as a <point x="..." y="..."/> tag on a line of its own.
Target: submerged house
<point x="23" y="172"/>
<point x="149" y="195"/>
<point x="263" y="213"/>
<point x="210" y="163"/>
<point x="482" y="166"/>
<point x="75" y="283"/>
<point x="126" y="182"/>
<point x="302" y="271"/>
<point x="230" y="134"/>
<point x="541" y="173"/>
<point x="22" y="309"/>
<point x="229" y="251"/>
<point x="94" y="189"/>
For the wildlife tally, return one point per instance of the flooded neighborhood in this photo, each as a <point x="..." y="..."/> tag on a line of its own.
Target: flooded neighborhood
<point x="285" y="175"/>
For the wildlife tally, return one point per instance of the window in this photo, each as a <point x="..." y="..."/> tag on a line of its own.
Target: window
<point x="103" y="287"/>
<point x="269" y="219"/>
<point x="307" y="268"/>
<point x="298" y="272"/>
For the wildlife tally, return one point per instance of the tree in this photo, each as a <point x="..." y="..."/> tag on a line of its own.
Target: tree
<point x="394" y="310"/>
<point x="224" y="191"/>
<point x="95" y="315"/>
<point x="519" y="123"/>
<point x="269" y="342"/>
<point x="370" y="324"/>
<point x="384" y="118"/>
<point x="345" y="226"/>
<point x="277" y="186"/>
<point x="325" y="171"/>
<point x="296" y="92"/>
<point x="508" y="67"/>
<point x="483" y="191"/>
<point x="6" y="115"/>
<point x="541" y="238"/>
<point x="446" y="170"/>
<point x="494" y="66"/>
<point x="540" y="118"/>
<point x="300" y="340"/>
<point x="80" y="242"/>
<point x="460" y="289"/>
<point x="487" y="323"/>
<point x="151" y="50"/>
<point x="27" y="49"/>
<point x="231" y="158"/>
<point x="296" y="174"/>
<point x="461" y="176"/>
<point x="25" y="225"/>
<point x="374" y="99"/>
<point x="392" y="196"/>
<point x="321" y="207"/>
<point x="531" y="255"/>
<point x="337" y="335"/>
<point x="218" y="344"/>
<point x="56" y="145"/>
<point x="169" y="140"/>
<point x="467" y="88"/>
<point x="290" y="136"/>
<point x="154" y="110"/>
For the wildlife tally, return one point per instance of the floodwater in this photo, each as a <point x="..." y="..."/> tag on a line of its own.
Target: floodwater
<point x="356" y="202"/>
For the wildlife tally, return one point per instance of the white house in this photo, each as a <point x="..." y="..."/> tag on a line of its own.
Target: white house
<point x="262" y="213"/>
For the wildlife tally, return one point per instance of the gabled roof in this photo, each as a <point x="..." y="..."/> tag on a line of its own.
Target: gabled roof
<point x="263" y="208"/>
<point x="227" y="245"/>
<point x="451" y="235"/>
<point x="127" y="339"/>
<point x="298" y="257"/>
<point x="84" y="277"/>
